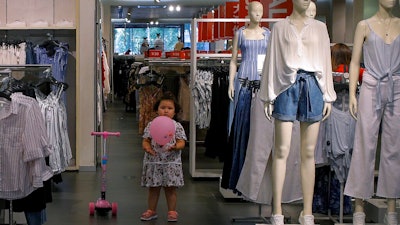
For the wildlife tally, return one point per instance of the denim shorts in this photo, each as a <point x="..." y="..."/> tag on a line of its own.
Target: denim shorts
<point x="302" y="101"/>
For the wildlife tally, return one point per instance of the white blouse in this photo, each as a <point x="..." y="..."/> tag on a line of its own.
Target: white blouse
<point x="289" y="51"/>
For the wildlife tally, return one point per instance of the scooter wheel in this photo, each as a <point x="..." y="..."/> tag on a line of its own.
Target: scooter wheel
<point x="114" y="208"/>
<point x="91" y="208"/>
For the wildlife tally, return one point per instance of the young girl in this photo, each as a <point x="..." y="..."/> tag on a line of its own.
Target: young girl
<point x="162" y="165"/>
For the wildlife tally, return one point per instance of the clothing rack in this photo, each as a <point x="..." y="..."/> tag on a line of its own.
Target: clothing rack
<point x="342" y="85"/>
<point x="8" y="70"/>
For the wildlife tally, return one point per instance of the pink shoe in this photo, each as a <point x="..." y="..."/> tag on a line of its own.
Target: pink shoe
<point x="148" y="215"/>
<point x="172" y="216"/>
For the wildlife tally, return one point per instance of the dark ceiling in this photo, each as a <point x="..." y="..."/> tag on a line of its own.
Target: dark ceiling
<point x="144" y="11"/>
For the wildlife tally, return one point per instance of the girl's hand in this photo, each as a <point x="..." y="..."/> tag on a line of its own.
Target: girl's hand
<point x="179" y="145"/>
<point x="150" y="151"/>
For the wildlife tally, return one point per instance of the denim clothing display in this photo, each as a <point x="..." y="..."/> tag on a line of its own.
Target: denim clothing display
<point x="247" y="83"/>
<point x="55" y="54"/>
<point x="241" y="129"/>
<point x="302" y="101"/>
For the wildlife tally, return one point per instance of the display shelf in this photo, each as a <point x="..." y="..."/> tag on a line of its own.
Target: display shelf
<point x="37" y="28"/>
<point x="38" y="14"/>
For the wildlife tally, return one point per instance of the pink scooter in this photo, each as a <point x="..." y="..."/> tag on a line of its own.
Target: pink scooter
<point x="102" y="206"/>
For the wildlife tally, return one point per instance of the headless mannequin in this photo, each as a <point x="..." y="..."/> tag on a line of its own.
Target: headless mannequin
<point x="252" y="32"/>
<point x="385" y="25"/>
<point x="283" y="133"/>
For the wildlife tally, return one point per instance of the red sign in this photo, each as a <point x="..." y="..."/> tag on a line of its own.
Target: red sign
<point x="221" y="26"/>
<point x="216" y="25"/>
<point x="232" y="11"/>
<point x="277" y="8"/>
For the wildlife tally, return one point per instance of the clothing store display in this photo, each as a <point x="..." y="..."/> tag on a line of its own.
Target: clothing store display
<point x="247" y="82"/>
<point x="54" y="110"/>
<point x="254" y="182"/>
<point x="159" y="43"/>
<point x="202" y="95"/>
<point x="216" y="142"/>
<point x="13" y="53"/>
<point x="314" y="56"/>
<point x="378" y="105"/>
<point x="28" y="145"/>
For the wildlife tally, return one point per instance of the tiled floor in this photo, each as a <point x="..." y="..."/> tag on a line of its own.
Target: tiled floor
<point x="199" y="201"/>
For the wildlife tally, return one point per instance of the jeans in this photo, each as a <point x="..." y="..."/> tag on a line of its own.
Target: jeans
<point x="240" y="132"/>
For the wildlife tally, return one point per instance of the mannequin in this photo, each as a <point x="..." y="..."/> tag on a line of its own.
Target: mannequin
<point x="312" y="10"/>
<point x="159" y="43"/>
<point x="287" y="65"/>
<point x="252" y="32"/>
<point x="178" y="45"/>
<point x="378" y="39"/>
<point x="252" y="41"/>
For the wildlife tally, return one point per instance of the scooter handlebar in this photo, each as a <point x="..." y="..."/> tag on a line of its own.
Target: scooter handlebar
<point x="105" y="134"/>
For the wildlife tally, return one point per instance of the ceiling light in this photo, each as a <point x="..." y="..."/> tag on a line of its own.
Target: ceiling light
<point x="171" y="8"/>
<point x="157" y="1"/>
<point x="178" y="8"/>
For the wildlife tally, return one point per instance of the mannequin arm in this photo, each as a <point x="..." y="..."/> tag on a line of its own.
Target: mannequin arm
<point x="327" y="110"/>
<point x="233" y="67"/>
<point x="354" y="69"/>
<point x="268" y="108"/>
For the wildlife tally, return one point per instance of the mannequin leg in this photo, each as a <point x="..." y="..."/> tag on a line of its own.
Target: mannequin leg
<point x="309" y="136"/>
<point x="283" y="135"/>
<point x="358" y="205"/>
<point x="391" y="203"/>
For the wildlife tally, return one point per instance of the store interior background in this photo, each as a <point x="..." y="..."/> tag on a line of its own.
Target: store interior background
<point x="341" y="17"/>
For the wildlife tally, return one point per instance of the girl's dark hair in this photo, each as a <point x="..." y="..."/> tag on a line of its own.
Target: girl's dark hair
<point x="168" y="96"/>
<point x="340" y="54"/>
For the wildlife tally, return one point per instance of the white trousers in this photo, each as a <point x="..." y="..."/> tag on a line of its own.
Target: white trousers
<point x="360" y="182"/>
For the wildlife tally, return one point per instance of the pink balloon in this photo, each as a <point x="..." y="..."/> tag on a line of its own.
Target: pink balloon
<point x="162" y="129"/>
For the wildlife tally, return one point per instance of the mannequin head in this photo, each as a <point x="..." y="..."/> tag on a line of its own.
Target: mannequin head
<point x="387" y="4"/>
<point x="312" y="10"/>
<point x="256" y="11"/>
<point x="301" y="6"/>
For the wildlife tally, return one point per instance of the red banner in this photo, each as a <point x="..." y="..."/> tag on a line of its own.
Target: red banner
<point x="210" y="27"/>
<point x="221" y="26"/>
<point x="216" y="25"/>
<point x="232" y="11"/>
<point x="277" y="9"/>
